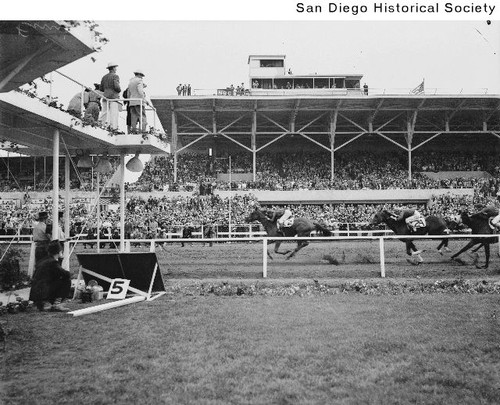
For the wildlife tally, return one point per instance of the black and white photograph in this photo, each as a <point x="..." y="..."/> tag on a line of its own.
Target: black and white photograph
<point x="250" y="203"/>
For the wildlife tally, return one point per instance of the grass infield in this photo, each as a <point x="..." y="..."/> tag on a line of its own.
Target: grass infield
<point x="347" y="348"/>
<point x="313" y="333"/>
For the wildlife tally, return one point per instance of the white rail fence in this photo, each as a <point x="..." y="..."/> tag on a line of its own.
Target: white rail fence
<point x="265" y="241"/>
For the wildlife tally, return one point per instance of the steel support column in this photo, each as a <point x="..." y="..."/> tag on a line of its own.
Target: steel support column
<point x="333" y="128"/>
<point x="254" y="146"/>
<point x="409" y="139"/>
<point x="174" y="143"/>
<point x="122" y="202"/>
<point x="66" y="208"/>
<point x="55" y="184"/>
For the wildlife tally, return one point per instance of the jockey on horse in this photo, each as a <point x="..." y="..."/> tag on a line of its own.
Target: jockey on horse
<point x="280" y="216"/>
<point x="492" y="211"/>
<point x="413" y="218"/>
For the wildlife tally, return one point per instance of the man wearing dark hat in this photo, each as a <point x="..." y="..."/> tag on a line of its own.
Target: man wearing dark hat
<point x="41" y="236"/>
<point x="110" y="86"/>
<point x="51" y="284"/>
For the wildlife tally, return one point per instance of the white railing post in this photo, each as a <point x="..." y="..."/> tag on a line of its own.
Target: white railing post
<point x="264" y="257"/>
<point x="31" y="262"/>
<point x="382" y="257"/>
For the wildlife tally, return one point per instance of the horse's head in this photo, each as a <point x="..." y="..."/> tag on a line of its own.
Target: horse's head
<point x="380" y="217"/>
<point x="255" y="215"/>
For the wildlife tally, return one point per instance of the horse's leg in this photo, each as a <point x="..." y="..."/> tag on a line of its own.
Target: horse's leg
<point x="408" y="248"/>
<point x="479" y="247"/>
<point x="269" y="254"/>
<point x="443" y="245"/>
<point x="465" y="248"/>
<point x="474" y="255"/>
<point x="276" y="249"/>
<point x="413" y="248"/>
<point x="300" y="244"/>
<point x="487" y="254"/>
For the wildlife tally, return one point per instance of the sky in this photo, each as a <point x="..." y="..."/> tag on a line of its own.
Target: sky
<point x="451" y="56"/>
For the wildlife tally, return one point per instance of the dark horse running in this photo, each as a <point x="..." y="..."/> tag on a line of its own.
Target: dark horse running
<point x="301" y="227"/>
<point x="434" y="226"/>
<point x="479" y="225"/>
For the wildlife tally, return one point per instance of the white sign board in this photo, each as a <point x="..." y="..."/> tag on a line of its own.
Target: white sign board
<point x="118" y="289"/>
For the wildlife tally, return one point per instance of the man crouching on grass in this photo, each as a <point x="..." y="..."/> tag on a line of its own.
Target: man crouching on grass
<point x="51" y="284"/>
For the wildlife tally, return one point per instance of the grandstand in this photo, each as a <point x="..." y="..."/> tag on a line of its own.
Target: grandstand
<point x="333" y="120"/>
<point x="322" y="144"/>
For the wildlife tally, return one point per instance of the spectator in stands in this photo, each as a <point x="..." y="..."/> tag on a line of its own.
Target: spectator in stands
<point x="110" y="87"/>
<point x="137" y="107"/>
<point x="51" y="283"/>
<point x="365" y="89"/>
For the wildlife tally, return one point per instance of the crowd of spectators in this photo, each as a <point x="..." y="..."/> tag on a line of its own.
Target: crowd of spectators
<point x="279" y="171"/>
<point x="156" y="217"/>
<point x="234" y="91"/>
<point x="311" y="171"/>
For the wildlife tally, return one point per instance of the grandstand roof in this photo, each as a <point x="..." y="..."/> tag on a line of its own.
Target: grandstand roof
<point x="31" y="49"/>
<point x="312" y="115"/>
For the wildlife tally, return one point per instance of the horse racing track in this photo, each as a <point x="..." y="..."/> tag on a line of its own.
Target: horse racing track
<point x="335" y="259"/>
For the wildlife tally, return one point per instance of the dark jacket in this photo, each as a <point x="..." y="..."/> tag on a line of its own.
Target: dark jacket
<point x="110" y="85"/>
<point x="49" y="280"/>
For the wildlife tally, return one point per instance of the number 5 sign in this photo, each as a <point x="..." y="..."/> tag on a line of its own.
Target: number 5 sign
<point x="118" y="289"/>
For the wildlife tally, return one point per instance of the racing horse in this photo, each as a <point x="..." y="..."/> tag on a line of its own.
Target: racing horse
<point x="301" y="227"/>
<point x="479" y="225"/>
<point x="434" y="226"/>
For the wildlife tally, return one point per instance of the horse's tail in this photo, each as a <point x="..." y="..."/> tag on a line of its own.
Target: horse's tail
<point x="322" y="229"/>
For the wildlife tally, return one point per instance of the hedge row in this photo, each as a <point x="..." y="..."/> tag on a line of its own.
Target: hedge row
<point x="225" y="288"/>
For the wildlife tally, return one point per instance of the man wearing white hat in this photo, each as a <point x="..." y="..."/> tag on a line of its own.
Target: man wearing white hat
<point x="136" y="91"/>
<point x="110" y="86"/>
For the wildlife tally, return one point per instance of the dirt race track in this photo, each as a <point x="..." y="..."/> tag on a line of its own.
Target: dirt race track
<point x="356" y="260"/>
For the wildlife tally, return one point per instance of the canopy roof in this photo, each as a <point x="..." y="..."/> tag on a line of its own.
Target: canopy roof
<point x="312" y="115"/>
<point x="31" y="49"/>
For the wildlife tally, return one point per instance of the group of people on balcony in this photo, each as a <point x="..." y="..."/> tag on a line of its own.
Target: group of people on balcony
<point x="103" y="103"/>
<point x="183" y="89"/>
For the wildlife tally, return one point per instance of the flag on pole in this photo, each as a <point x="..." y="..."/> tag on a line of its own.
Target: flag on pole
<point x="419" y="89"/>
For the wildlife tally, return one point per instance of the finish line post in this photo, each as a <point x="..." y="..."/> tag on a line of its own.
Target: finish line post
<point x="264" y="257"/>
<point x="382" y="257"/>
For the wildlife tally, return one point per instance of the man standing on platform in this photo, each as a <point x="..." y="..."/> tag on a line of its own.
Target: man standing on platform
<point x="110" y="86"/>
<point x="137" y="107"/>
